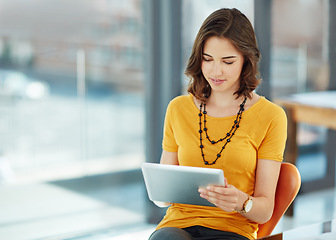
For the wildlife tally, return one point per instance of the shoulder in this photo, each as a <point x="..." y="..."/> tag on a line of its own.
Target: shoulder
<point x="181" y="101"/>
<point x="181" y="107"/>
<point x="261" y="103"/>
<point x="269" y="111"/>
<point x="265" y="105"/>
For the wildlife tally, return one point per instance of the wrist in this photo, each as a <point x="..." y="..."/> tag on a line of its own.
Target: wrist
<point x="242" y="197"/>
<point x="246" y="206"/>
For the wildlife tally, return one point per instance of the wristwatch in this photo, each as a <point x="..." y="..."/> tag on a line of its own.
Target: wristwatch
<point x="247" y="206"/>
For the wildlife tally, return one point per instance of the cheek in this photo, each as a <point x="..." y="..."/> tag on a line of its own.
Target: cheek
<point x="205" y="68"/>
<point x="235" y="71"/>
<point x="240" y="67"/>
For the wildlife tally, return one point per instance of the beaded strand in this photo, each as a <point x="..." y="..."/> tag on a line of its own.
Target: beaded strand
<point x="228" y="135"/>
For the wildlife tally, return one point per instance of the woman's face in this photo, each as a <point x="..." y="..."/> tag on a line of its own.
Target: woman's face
<point x="221" y="65"/>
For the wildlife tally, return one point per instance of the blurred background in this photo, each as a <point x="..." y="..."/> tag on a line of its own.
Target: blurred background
<point x="77" y="102"/>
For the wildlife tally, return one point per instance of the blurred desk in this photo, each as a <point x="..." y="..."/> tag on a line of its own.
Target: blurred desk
<point x="316" y="108"/>
<point x="319" y="231"/>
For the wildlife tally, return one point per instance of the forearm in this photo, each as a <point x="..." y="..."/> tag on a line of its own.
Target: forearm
<point x="231" y="199"/>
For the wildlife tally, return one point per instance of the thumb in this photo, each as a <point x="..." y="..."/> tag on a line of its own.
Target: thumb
<point x="226" y="182"/>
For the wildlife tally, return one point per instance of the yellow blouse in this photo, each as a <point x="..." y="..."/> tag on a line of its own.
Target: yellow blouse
<point x="261" y="134"/>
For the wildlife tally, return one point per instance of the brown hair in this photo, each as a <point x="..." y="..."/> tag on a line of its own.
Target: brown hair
<point x="233" y="25"/>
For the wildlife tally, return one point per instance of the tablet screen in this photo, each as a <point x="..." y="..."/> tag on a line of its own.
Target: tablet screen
<point x="179" y="184"/>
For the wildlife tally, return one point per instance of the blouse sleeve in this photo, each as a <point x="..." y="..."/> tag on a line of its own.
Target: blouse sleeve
<point x="273" y="145"/>
<point x="169" y="143"/>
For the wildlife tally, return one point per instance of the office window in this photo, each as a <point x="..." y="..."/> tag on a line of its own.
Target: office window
<point x="71" y="88"/>
<point x="299" y="46"/>
<point x="300" y="64"/>
<point x="71" y="117"/>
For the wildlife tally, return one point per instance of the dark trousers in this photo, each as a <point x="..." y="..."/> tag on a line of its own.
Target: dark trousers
<point x="194" y="233"/>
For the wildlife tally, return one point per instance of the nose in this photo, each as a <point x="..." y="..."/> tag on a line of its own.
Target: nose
<point x="217" y="69"/>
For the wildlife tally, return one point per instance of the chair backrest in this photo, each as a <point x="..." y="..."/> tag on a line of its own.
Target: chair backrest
<point x="288" y="186"/>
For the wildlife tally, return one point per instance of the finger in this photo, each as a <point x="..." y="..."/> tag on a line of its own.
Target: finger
<point x="227" y="195"/>
<point x="214" y="194"/>
<point x="215" y="198"/>
<point x="208" y="195"/>
<point x="227" y="203"/>
<point x="203" y="192"/>
<point x="217" y="189"/>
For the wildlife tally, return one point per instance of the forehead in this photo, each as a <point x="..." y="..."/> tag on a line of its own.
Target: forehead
<point x="220" y="46"/>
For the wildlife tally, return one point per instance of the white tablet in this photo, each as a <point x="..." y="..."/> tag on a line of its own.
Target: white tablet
<point x="179" y="184"/>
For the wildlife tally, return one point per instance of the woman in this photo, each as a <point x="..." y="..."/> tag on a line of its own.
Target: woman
<point x="224" y="124"/>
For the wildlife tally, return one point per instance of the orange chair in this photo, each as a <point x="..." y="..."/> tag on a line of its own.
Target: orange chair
<point x="288" y="187"/>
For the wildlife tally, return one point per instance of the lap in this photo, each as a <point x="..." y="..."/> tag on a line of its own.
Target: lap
<point x="194" y="233"/>
<point x="168" y="233"/>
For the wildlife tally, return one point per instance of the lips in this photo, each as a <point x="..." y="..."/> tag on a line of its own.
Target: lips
<point x="217" y="81"/>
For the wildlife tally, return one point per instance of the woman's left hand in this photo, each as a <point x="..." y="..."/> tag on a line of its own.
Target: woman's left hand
<point x="224" y="197"/>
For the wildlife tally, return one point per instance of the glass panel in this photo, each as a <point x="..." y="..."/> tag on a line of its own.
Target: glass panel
<point x="40" y="112"/>
<point x="300" y="64"/>
<point x="73" y="96"/>
<point x="71" y="116"/>
<point x="299" y="53"/>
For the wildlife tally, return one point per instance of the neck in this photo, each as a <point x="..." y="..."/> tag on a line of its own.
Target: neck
<point x="224" y="101"/>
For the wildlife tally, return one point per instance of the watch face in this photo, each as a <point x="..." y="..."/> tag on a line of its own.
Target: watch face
<point x="248" y="205"/>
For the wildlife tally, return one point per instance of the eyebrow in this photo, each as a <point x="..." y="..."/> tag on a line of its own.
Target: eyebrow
<point x="227" y="57"/>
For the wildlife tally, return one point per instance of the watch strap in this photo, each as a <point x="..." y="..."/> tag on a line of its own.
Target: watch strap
<point x="244" y="205"/>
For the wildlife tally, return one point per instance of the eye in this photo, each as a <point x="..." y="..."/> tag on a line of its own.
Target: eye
<point x="228" y="63"/>
<point x="207" y="59"/>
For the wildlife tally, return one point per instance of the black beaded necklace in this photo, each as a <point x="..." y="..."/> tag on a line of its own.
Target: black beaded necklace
<point x="228" y="135"/>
